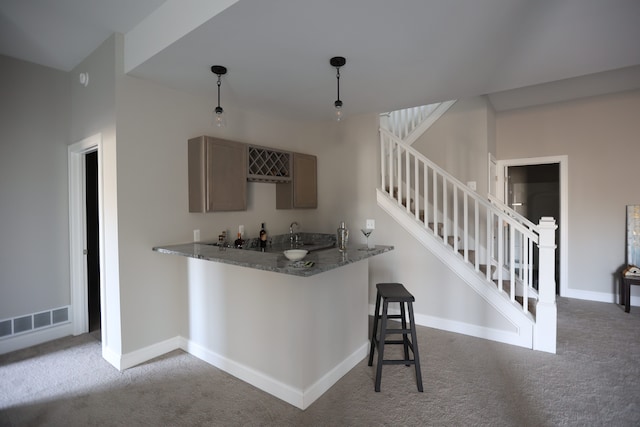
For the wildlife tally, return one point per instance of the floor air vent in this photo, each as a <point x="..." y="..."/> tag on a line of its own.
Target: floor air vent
<point x="33" y="322"/>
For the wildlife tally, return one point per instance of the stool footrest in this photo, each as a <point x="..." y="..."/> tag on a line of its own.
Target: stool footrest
<point x="398" y="362"/>
<point x="398" y="331"/>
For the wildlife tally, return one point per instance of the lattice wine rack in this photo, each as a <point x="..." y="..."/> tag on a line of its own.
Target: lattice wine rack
<point x="268" y="165"/>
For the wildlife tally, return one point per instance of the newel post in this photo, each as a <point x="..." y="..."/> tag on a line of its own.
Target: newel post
<point x="544" y="332"/>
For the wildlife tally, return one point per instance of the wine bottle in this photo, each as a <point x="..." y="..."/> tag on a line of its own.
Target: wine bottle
<point x="239" y="242"/>
<point x="263" y="238"/>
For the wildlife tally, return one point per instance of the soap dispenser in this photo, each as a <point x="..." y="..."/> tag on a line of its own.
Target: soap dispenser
<point x="343" y="237"/>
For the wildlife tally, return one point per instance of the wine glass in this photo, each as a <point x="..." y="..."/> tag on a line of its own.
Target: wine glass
<point x="366" y="232"/>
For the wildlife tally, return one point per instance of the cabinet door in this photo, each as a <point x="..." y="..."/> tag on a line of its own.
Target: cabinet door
<point x="226" y="175"/>
<point x="302" y="191"/>
<point x="305" y="181"/>
<point x="217" y="175"/>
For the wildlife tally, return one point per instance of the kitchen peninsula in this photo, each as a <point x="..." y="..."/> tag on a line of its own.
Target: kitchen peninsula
<point x="292" y="332"/>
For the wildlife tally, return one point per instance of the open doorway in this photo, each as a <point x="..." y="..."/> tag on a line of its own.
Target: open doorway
<point x="533" y="191"/>
<point x="86" y="242"/>
<point x="538" y="187"/>
<point x="93" y="240"/>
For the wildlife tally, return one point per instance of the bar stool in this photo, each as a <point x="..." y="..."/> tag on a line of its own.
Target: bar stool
<point x="394" y="292"/>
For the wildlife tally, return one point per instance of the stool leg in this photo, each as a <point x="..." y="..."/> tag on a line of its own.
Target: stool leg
<point x="383" y="337"/>
<point x="414" y="341"/>
<point x="405" y="339"/>
<point x="376" y="317"/>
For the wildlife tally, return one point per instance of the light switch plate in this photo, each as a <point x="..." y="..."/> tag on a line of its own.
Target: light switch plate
<point x="371" y="224"/>
<point x="196" y="235"/>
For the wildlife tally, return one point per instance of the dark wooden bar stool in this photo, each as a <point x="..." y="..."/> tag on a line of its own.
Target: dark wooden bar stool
<point x="394" y="292"/>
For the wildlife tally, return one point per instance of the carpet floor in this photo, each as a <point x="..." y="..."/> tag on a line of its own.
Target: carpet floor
<point x="593" y="380"/>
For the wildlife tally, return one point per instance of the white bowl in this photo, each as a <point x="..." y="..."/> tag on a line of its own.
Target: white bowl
<point x="295" y="254"/>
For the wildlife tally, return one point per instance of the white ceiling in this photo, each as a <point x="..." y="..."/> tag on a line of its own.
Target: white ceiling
<point x="399" y="53"/>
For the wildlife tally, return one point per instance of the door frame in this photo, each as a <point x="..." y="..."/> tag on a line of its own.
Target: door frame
<point x="563" y="161"/>
<point x="78" y="232"/>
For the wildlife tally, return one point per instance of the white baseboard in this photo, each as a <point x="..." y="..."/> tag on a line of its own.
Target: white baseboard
<point x="522" y="338"/>
<point x="330" y="378"/>
<point x="270" y="385"/>
<point x="301" y="399"/>
<point x="613" y="298"/>
<point x="145" y="354"/>
<point x="29" y="339"/>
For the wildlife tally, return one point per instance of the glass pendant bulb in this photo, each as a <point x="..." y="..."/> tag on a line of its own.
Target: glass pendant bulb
<point x="219" y="118"/>
<point x="337" y="114"/>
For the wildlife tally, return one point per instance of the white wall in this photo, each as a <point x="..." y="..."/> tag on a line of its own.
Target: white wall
<point x="34" y="132"/>
<point x="93" y="112"/>
<point x="600" y="137"/>
<point x="154" y="124"/>
<point x="145" y="128"/>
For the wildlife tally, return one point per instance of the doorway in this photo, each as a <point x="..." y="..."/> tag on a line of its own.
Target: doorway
<point x="545" y="175"/>
<point x="533" y="191"/>
<point x="93" y="240"/>
<point x="86" y="237"/>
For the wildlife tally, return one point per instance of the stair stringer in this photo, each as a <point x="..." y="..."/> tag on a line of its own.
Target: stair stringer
<point x="522" y="322"/>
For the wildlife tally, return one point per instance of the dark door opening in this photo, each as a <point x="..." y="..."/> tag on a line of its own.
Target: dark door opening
<point x="534" y="192"/>
<point x="93" y="243"/>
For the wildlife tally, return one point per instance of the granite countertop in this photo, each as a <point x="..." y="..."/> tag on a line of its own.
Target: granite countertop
<point x="323" y="259"/>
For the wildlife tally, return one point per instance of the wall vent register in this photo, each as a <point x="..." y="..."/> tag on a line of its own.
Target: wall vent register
<point x="33" y="322"/>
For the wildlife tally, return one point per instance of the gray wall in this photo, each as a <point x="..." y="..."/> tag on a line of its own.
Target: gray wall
<point x="34" y="236"/>
<point x="600" y="136"/>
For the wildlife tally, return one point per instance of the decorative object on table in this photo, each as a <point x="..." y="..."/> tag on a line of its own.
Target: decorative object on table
<point x="295" y="254"/>
<point x="302" y="264"/>
<point x="366" y="232"/>
<point x="343" y="237"/>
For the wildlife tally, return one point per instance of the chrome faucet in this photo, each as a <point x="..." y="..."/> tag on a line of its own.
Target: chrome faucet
<point x="293" y="239"/>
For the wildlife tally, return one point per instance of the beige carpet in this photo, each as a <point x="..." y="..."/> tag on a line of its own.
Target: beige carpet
<point x="594" y="380"/>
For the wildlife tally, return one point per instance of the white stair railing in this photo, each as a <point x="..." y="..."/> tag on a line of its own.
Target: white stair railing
<point x="408" y="124"/>
<point x="485" y="235"/>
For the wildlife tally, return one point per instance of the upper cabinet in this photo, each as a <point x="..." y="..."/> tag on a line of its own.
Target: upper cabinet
<point x="219" y="170"/>
<point x="217" y="175"/>
<point x="302" y="191"/>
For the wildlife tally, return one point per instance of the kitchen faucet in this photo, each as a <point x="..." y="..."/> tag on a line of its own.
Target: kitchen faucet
<point x="291" y="237"/>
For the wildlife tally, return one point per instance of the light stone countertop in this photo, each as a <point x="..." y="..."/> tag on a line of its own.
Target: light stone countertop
<point x="323" y="260"/>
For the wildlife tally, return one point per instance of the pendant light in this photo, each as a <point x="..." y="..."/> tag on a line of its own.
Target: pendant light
<point x="338" y="61"/>
<point x="219" y="118"/>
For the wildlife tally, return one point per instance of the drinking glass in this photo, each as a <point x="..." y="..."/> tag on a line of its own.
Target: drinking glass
<point x="367" y="232"/>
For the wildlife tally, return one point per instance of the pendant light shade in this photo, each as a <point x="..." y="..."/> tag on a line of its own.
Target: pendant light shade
<point x="337" y="62"/>
<point x="219" y="118"/>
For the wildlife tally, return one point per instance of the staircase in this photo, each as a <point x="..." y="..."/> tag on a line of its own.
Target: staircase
<point x="484" y="242"/>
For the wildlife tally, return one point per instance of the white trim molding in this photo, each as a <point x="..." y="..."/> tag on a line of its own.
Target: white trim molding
<point x="77" y="230"/>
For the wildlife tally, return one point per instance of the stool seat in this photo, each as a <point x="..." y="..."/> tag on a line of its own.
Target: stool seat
<point x="394" y="293"/>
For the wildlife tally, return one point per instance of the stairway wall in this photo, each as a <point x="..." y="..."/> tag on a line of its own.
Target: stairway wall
<point x="459" y="142"/>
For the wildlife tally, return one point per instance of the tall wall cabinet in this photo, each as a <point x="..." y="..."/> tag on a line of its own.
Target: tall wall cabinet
<point x="217" y="175"/>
